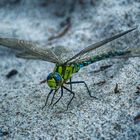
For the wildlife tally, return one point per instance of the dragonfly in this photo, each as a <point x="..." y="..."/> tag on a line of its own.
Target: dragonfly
<point x="64" y="69"/>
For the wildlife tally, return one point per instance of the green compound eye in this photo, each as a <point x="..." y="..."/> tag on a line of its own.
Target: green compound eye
<point x="54" y="80"/>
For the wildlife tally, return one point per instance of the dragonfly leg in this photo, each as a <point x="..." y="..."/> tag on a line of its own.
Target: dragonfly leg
<point x="72" y="96"/>
<point x="59" y="97"/>
<point x="70" y="84"/>
<point x="82" y="82"/>
<point x="43" y="81"/>
<point x="53" y="97"/>
<point x="47" y="98"/>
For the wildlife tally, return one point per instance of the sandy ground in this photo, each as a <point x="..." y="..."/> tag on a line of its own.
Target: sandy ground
<point x="21" y="97"/>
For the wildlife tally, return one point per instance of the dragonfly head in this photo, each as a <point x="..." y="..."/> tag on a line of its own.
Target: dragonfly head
<point x="54" y="80"/>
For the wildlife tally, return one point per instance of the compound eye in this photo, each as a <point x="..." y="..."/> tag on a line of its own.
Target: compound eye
<point x="49" y="76"/>
<point x="57" y="77"/>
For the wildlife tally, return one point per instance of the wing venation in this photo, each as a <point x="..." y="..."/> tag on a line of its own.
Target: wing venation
<point x="97" y="45"/>
<point x="30" y="50"/>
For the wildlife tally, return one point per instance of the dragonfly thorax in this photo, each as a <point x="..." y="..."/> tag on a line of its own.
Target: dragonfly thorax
<point x="54" y="80"/>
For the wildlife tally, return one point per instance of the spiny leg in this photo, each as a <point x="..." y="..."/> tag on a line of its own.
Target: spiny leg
<point x="47" y="98"/>
<point x="72" y="96"/>
<point x="53" y="97"/>
<point x="59" y="97"/>
<point x="83" y="82"/>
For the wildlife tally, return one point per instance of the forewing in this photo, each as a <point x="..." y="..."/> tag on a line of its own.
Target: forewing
<point x="29" y="50"/>
<point x="95" y="46"/>
<point x="27" y="55"/>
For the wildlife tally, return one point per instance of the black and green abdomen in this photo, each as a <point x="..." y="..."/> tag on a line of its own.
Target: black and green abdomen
<point x="96" y="58"/>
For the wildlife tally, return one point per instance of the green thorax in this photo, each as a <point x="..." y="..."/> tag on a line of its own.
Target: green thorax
<point x="66" y="71"/>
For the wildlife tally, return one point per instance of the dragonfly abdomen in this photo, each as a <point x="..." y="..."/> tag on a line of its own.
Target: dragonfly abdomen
<point x="100" y="57"/>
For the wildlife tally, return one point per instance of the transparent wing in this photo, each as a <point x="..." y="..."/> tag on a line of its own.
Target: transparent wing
<point x="30" y="50"/>
<point x="61" y="51"/>
<point x="82" y="55"/>
<point x="115" y="54"/>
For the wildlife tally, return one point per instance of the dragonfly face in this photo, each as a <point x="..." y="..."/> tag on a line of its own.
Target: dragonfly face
<point x="54" y="80"/>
